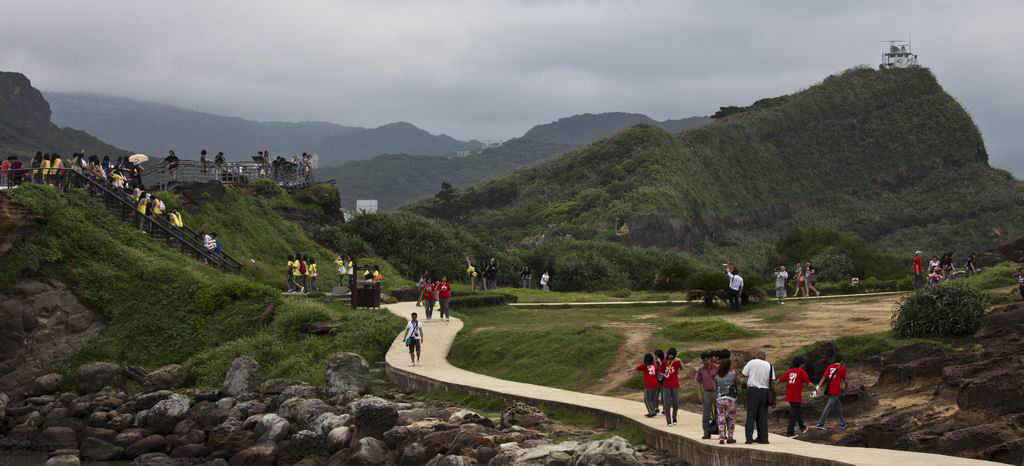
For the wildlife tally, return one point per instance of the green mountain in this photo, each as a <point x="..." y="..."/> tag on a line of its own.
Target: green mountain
<point x="25" y="125"/>
<point x="887" y="155"/>
<point x="155" y="128"/>
<point x="395" y="179"/>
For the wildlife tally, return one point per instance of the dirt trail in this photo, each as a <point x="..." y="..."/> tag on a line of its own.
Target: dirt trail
<point x="637" y="336"/>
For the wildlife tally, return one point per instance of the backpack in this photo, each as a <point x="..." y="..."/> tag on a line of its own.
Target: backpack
<point x="302" y="267"/>
<point x="829" y="381"/>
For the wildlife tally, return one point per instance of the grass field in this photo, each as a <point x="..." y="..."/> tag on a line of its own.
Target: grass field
<point x="538" y="296"/>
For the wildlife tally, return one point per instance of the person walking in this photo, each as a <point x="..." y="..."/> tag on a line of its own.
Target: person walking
<point x="781" y="278"/>
<point x="297" y="274"/>
<point x="812" y="278"/>
<point x="918" y="267"/>
<point x="735" y="287"/>
<point x="444" y="294"/>
<point x="419" y="289"/>
<point x="650" y="372"/>
<point x="971" y="267"/>
<point x="471" y="273"/>
<point x="524" y="277"/>
<point x="289" y="279"/>
<point x="140" y="208"/>
<point x="727" y="391"/>
<point x="795" y="379"/>
<point x="670" y="387"/>
<point x="759" y="374"/>
<point x="312" y="274"/>
<point x="799" y="271"/>
<point x="414" y="339"/>
<point x="340" y="263"/>
<point x="491" y="273"/>
<point x="429" y="296"/>
<point x="545" y="279"/>
<point x="1020" y="282"/>
<point x="832" y="385"/>
<point x="705" y="379"/>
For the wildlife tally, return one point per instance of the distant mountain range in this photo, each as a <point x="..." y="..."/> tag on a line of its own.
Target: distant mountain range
<point x="25" y="125"/>
<point x="156" y="128"/>
<point x="395" y="179"/>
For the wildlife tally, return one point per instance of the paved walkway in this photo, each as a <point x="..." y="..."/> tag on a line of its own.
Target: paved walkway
<point x="679" y="302"/>
<point x="438" y="338"/>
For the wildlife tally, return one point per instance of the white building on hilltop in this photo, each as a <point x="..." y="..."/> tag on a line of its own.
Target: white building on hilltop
<point x="366" y="206"/>
<point x="899" y="55"/>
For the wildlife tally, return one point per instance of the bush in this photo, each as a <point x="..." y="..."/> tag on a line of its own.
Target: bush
<point x="707" y="286"/>
<point x="620" y="293"/>
<point x="470" y="300"/>
<point x="335" y="238"/>
<point x="833" y="265"/>
<point x="948" y="310"/>
<point x="630" y="267"/>
<point x="224" y="293"/>
<point x="703" y="330"/>
<point x="586" y="271"/>
<point x="1001" y="275"/>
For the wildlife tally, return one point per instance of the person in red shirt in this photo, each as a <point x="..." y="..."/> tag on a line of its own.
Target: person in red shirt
<point x="650" y="371"/>
<point x="429" y="296"/>
<point x="834" y="380"/>
<point x="795" y="379"/>
<point x="918" y="269"/>
<point x="444" y="293"/>
<point x="670" y="387"/>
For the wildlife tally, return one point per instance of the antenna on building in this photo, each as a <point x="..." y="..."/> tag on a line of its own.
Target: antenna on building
<point x="899" y="54"/>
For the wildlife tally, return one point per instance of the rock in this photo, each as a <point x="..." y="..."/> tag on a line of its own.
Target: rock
<point x="154" y="459"/>
<point x="46" y="384"/>
<point x="339" y="437"/>
<point x="4" y="400"/>
<point x="93" y="377"/>
<point x="163" y="416"/>
<point x="397" y="436"/>
<point x="557" y="458"/>
<point x="368" y="451"/>
<point x="412" y="454"/>
<point x="128" y="437"/>
<point x="614" y="451"/>
<point x="55" y="438"/>
<point x="302" y="412"/>
<point x="192" y="450"/>
<point x="94" y="449"/>
<point x="522" y="415"/>
<point x="539" y="453"/>
<point x="299" y="390"/>
<point x="485" y="454"/>
<point x="63" y="460"/>
<point x="167" y="377"/>
<point x="149" y="444"/>
<point x="120" y="421"/>
<point x="372" y="417"/>
<point x="230" y="436"/>
<point x="106" y="435"/>
<point x="273" y="428"/>
<point x="451" y="460"/>
<point x="304" y="443"/>
<point x="464" y="415"/>
<point x="277" y="386"/>
<point x="208" y="394"/>
<point x="327" y="422"/>
<point x="247" y="408"/>
<point x="244" y="376"/>
<point x="264" y="454"/>
<point x="206" y="414"/>
<point x="149" y="400"/>
<point x="347" y="371"/>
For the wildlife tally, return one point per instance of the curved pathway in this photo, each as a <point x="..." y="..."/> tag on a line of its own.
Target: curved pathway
<point x="438" y="338"/>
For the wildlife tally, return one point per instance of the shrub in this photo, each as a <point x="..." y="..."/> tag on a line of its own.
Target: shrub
<point x="620" y="293"/>
<point x="335" y="238"/>
<point x="947" y="310"/>
<point x="1003" y="274"/>
<point x="470" y="300"/>
<point x="706" y="286"/>
<point x="586" y="271"/>
<point x="630" y="267"/>
<point x="833" y="265"/>
<point x="703" y="330"/>
<point x="224" y="293"/>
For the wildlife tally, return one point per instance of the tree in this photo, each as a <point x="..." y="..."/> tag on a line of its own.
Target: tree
<point x="447" y="192"/>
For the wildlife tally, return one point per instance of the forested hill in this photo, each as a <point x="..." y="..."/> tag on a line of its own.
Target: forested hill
<point x="25" y="125"/>
<point x="888" y="155"/>
<point x="395" y="179"/>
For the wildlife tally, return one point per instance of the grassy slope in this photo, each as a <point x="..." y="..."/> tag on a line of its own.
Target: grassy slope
<point x="165" y="308"/>
<point x="873" y="145"/>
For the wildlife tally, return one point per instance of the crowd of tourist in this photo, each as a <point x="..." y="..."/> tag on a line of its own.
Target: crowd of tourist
<point x="718" y="387"/>
<point x="942" y="268"/>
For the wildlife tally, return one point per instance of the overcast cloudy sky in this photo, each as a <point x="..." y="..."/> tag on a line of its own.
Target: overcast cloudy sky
<point x="491" y="69"/>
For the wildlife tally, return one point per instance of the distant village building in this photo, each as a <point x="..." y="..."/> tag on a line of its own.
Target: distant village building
<point x="463" y="153"/>
<point x="366" y="206"/>
<point x="899" y="55"/>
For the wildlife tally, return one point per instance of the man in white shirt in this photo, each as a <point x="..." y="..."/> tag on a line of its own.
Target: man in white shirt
<point x="759" y="374"/>
<point x="735" y="286"/>
<point x="414" y="339"/>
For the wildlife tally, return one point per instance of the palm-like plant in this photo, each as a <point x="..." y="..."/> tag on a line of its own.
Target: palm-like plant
<point x="706" y="286"/>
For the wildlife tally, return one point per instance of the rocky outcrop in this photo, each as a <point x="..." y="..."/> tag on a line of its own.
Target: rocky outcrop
<point x="93" y="377"/>
<point x="244" y="376"/>
<point x="41" y="325"/>
<point x="522" y="415"/>
<point x="167" y="378"/>
<point x="614" y="451"/>
<point x="347" y="372"/>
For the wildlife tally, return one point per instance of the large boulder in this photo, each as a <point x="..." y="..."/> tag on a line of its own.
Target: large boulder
<point x="412" y="454"/>
<point x="244" y="376"/>
<point x="192" y="450"/>
<point x="4" y="400"/>
<point x="368" y="451"/>
<point x="166" y="414"/>
<point x="614" y="451"/>
<point x="149" y="444"/>
<point x="167" y="377"/>
<point x="339" y="437"/>
<point x="94" y="449"/>
<point x="327" y="422"/>
<point x="272" y="428"/>
<point x="63" y="460"/>
<point x="522" y="415"/>
<point x="94" y="376"/>
<point x="264" y="454"/>
<point x="303" y="412"/>
<point x="56" y="438"/>
<point x="345" y="372"/>
<point x="207" y="414"/>
<point x="46" y="384"/>
<point x="372" y="417"/>
<point x="277" y="386"/>
<point x="451" y="460"/>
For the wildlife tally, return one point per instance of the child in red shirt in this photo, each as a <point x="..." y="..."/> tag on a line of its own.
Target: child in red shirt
<point x="429" y="295"/>
<point x="650" y="371"/>
<point x="795" y="379"/>
<point x="835" y="378"/>
<point x="670" y="387"/>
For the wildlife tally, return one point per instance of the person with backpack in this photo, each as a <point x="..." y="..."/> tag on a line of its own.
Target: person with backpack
<point x="312" y="274"/>
<point x="444" y="294"/>
<point x="832" y="385"/>
<point x="429" y="296"/>
<point x="795" y="379"/>
<point x="491" y="276"/>
<point x="705" y="383"/>
<point x="650" y="372"/>
<point x="727" y="391"/>
<point x="289" y="278"/>
<point x="414" y="339"/>
<point x="303" y="275"/>
<point x="670" y="387"/>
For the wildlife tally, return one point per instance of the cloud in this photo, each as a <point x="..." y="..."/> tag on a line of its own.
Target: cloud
<point x="491" y="69"/>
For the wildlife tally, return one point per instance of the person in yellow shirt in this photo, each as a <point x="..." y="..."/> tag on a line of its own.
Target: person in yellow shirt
<point x="340" y="262"/>
<point x="141" y="209"/>
<point x="56" y="170"/>
<point x="155" y="207"/>
<point x="471" y="272"/>
<point x="297" y="274"/>
<point x="311" y="269"/>
<point x="117" y="179"/>
<point x="44" y="169"/>
<point x="377" y="276"/>
<point x="289" y="278"/>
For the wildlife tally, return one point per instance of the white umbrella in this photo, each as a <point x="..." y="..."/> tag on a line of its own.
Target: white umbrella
<point x="138" y="158"/>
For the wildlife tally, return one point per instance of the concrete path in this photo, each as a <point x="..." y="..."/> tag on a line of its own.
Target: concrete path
<point x="680" y="302"/>
<point x="438" y="338"/>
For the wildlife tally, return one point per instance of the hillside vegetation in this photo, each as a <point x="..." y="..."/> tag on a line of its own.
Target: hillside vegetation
<point x="886" y="155"/>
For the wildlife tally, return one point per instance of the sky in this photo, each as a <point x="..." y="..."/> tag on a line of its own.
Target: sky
<point x="490" y="70"/>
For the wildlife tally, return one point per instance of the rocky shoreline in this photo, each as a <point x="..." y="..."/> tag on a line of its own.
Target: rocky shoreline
<point x="251" y="421"/>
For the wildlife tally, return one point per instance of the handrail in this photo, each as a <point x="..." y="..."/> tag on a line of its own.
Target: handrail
<point x="286" y="174"/>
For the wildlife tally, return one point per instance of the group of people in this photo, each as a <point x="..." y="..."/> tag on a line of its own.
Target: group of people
<point x="431" y="291"/>
<point x="486" y="279"/>
<point x="301" y="274"/>
<point x="52" y="168"/>
<point x="718" y="386"/>
<point x="942" y="268"/>
<point x="806" y="276"/>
